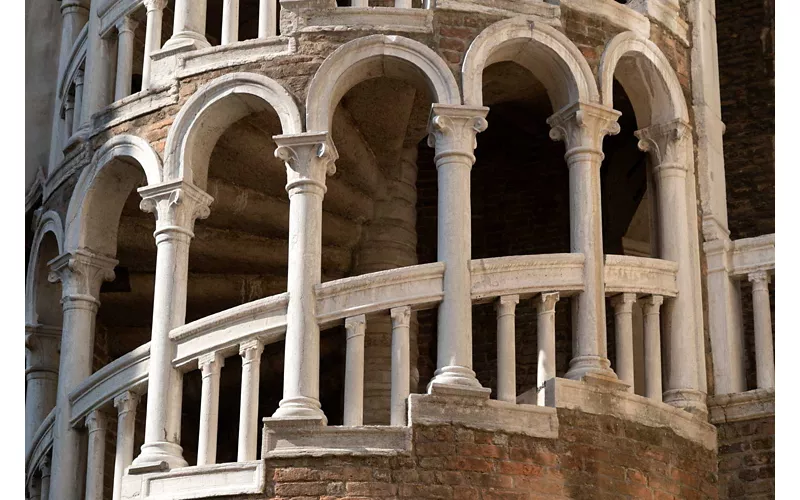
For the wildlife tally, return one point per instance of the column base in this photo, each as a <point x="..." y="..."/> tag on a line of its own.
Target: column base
<point x="581" y="366"/>
<point x="159" y="456"/>
<point x="455" y="376"/>
<point x="690" y="400"/>
<point x="184" y="41"/>
<point x="300" y="408"/>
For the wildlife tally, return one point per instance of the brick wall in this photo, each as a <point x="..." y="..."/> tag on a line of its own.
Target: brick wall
<point x="747" y="459"/>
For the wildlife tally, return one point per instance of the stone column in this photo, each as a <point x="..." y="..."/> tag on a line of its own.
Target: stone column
<point x="230" y="21"/>
<point x="210" y="368"/>
<point x="189" y="26"/>
<point x="74" y="14"/>
<point x="652" y="347"/>
<point x="45" y="469"/>
<point x="546" y="342"/>
<point x="309" y="158"/>
<point x="401" y="321"/>
<point x="623" y="322"/>
<point x="96" y="424"/>
<point x="125" y="404"/>
<point x="582" y="127"/>
<point x="81" y="273"/>
<point x="69" y="118"/>
<point x="667" y="145"/>
<point x="453" y="132"/>
<point x="76" y="114"/>
<point x="248" y="405"/>
<point x="125" y="28"/>
<point x="354" y="372"/>
<point x="98" y="69"/>
<point x="35" y="489"/>
<point x="152" y="39"/>
<point x="765" y="358"/>
<point x="506" y="348"/>
<point x="267" y="18"/>
<point x="41" y="376"/>
<point x="176" y="205"/>
<point x="402" y="4"/>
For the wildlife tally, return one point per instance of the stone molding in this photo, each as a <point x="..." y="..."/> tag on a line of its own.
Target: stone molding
<point x="641" y="275"/>
<point x="736" y="407"/>
<point x="752" y="255"/>
<point x="197" y="482"/>
<point x="536" y="9"/>
<point x="309" y="437"/>
<point x="526" y="275"/>
<point x="371" y="19"/>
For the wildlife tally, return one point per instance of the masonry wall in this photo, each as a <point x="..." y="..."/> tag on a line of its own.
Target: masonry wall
<point x="747" y="459"/>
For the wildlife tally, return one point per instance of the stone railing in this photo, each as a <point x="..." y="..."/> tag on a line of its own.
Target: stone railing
<point x="37" y="457"/>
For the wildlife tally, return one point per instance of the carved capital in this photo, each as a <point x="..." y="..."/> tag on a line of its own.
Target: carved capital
<point x="251" y="350"/>
<point x="152" y="5"/>
<point x="309" y="158"/>
<point x="126" y="403"/>
<point x="96" y="421"/>
<point x="401" y="316"/>
<point x="210" y="363"/>
<point x="546" y="302"/>
<point x="506" y="304"/>
<point x="652" y="304"/>
<point x="42" y="348"/>
<point x="666" y="144"/>
<point x="176" y="205"/>
<point x="45" y="466"/>
<point x="453" y="130"/>
<point x="623" y="303"/>
<point x="78" y="80"/>
<point x="355" y="326"/>
<point x="126" y="24"/>
<point x="760" y="280"/>
<point x="582" y="127"/>
<point x="81" y="273"/>
<point x="74" y="7"/>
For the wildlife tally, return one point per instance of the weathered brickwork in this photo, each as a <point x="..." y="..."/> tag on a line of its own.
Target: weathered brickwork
<point x="747" y="459"/>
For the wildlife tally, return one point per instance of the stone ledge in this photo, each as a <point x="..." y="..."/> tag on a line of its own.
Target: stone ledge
<point x="374" y="19"/>
<point x="242" y="478"/>
<point x="542" y="11"/>
<point x="602" y="400"/>
<point x="474" y="409"/>
<point x="726" y="408"/>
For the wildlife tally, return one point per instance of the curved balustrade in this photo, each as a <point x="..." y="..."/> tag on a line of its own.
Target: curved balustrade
<point x="40" y="447"/>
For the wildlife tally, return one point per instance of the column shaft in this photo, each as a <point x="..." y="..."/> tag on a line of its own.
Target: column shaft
<point x="152" y="39"/>
<point x="125" y="43"/>
<point x="506" y="348"/>
<point x="354" y="372"/>
<point x="248" y="406"/>
<point x="96" y="424"/>
<point x="546" y="342"/>
<point x="652" y="347"/>
<point x="189" y="26"/>
<point x="98" y="69"/>
<point x="126" y="427"/>
<point x="267" y="18"/>
<point x="210" y="368"/>
<point x="45" y="469"/>
<point x="765" y="358"/>
<point x="74" y="15"/>
<point x="401" y="369"/>
<point x="41" y="376"/>
<point x="76" y="114"/>
<point x="623" y="322"/>
<point x="230" y="21"/>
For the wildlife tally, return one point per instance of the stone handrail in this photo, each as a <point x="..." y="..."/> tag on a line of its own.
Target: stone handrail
<point x="42" y="443"/>
<point x="753" y="255"/>
<point x="127" y="373"/>
<point x="526" y="275"/>
<point x="626" y="274"/>
<point x="76" y="58"/>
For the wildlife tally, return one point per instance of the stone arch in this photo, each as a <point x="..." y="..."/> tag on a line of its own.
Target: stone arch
<point x="544" y="51"/>
<point x="365" y="58"/>
<point x="103" y="186"/>
<point x="211" y="110"/>
<point x="50" y="222"/>
<point x="648" y="79"/>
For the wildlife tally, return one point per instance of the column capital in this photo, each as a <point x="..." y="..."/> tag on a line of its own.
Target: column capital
<point x="176" y="205"/>
<point x="582" y="127"/>
<point x="401" y="316"/>
<point x="623" y="303"/>
<point x="506" y="304"/>
<point x="45" y="466"/>
<point x="453" y="129"/>
<point x="652" y="304"/>
<point x="152" y="5"/>
<point x="250" y="350"/>
<point x="126" y="24"/>
<point x="355" y="326"/>
<point x="759" y="279"/>
<point x="78" y="80"/>
<point x="42" y="345"/>
<point x="309" y="158"/>
<point x="666" y="143"/>
<point x="81" y="273"/>
<point x="126" y="402"/>
<point x="74" y="6"/>
<point x="210" y="363"/>
<point x="96" y="421"/>
<point x="546" y="302"/>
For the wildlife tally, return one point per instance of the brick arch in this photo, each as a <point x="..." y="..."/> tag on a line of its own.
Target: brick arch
<point x="365" y="58"/>
<point x="211" y="110"/>
<point x="50" y="222"/>
<point x="546" y="52"/>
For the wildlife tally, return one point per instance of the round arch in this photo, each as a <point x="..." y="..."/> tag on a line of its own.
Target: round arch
<point x="648" y="79"/>
<point x="50" y="222"/>
<point x="100" y="193"/>
<point x="544" y="51"/>
<point x="363" y="59"/>
<point x="211" y="110"/>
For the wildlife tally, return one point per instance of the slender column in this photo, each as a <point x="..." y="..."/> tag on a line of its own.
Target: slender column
<point x="41" y="376"/>
<point x="152" y="38"/>
<point x="45" y="469"/>
<point x="765" y="358"/>
<point x="76" y="115"/>
<point x="360" y="3"/>
<point x="309" y="158"/>
<point x="546" y="341"/>
<point x="74" y="14"/>
<point x="125" y="28"/>
<point x="401" y="368"/>
<point x="267" y="18"/>
<point x="81" y="274"/>
<point x="96" y="424"/>
<point x="176" y="205"/>
<point x="652" y="346"/>
<point x="248" y="406"/>
<point x="354" y="371"/>
<point x="506" y="348"/>
<point x="402" y="4"/>
<point x="452" y="131"/>
<point x="69" y="118"/>
<point x="35" y="489"/>
<point x="230" y="21"/>
<point x="623" y="322"/>
<point x="125" y="404"/>
<point x="98" y="69"/>
<point x="582" y="127"/>
<point x="669" y="153"/>
<point x="189" y="26"/>
<point x="210" y="368"/>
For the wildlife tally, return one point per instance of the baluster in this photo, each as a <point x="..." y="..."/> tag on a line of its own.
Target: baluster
<point x="69" y="115"/>
<point x="354" y="371"/>
<point x="360" y="3"/>
<point x="248" y="413"/>
<point x="267" y="18"/>
<point x="401" y="369"/>
<point x="126" y="404"/>
<point x="152" y="38"/>
<point x="546" y="341"/>
<point x="623" y="321"/>
<point x="96" y="424"/>
<point x="402" y="4"/>
<point x="45" y="470"/>
<point x="652" y="347"/>
<point x="230" y="22"/>
<point x="765" y="358"/>
<point x="76" y="114"/>
<point x="125" y="29"/>
<point x="210" y="367"/>
<point x="506" y="348"/>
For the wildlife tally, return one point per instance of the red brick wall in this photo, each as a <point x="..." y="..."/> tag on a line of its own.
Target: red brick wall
<point x="747" y="459"/>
